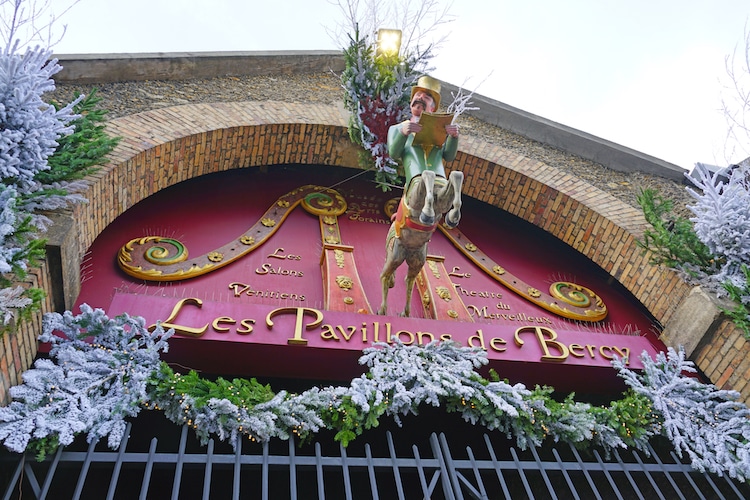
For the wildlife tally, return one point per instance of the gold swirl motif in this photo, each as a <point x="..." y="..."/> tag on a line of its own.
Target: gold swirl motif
<point x="247" y="240"/>
<point x="348" y="300"/>
<point x="471" y="247"/>
<point x="453" y="314"/>
<point x="443" y="293"/>
<point x="324" y="202"/>
<point x="283" y="203"/>
<point x="332" y="240"/>
<point x="533" y="292"/>
<point x="268" y="222"/>
<point x="576" y="295"/>
<point x="426" y="298"/>
<point x="215" y="256"/>
<point x="391" y="206"/>
<point x="160" y="255"/>
<point x="344" y="282"/>
<point x="330" y="220"/>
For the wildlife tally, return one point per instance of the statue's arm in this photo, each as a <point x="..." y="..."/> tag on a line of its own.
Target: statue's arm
<point x="450" y="149"/>
<point x="396" y="142"/>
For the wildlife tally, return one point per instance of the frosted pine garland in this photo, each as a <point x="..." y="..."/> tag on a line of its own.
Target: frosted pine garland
<point x="722" y="221"/>
<point x="98" y="379"/>
<point x="104" y="370"/>
<point x="31" y="127"/>
<point x="708" y="424"/>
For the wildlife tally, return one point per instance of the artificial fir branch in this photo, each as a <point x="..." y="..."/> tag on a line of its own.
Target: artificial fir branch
<point x="104" y="370"/>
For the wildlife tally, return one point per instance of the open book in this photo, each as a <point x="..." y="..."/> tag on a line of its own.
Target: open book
<point x="433" y="129"/>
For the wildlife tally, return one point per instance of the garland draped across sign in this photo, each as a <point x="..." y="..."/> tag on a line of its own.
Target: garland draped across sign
<point x="109" y="369"/>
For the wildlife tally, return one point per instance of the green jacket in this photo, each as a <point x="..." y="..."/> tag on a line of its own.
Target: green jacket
<point x="414" y="158"/>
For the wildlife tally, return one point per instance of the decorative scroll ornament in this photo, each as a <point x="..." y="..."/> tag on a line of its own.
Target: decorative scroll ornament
<point x="565" y="299"/>
<point x="155" y="258"/>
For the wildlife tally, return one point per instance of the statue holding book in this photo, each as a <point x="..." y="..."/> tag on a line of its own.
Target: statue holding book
<point x="422" y="143"/>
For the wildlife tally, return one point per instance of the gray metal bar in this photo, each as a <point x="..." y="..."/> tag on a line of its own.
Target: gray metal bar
<point x="345" y="472"/>
<point x="420" y="472"/>
<point x="319" y="472"/>
<point x="445" y="480"/>
<point x="292" y="470"/>
<point x="31" y="477"/>
<point x="713" y="486"/>
<point x="540" y="465"/>
<point x="586" y="474"/>
<point x="178" y="465"/>
<point x="396" y="474"/>
<point x="565" y="474"/>
<point x="687" y="476"/>
<point x="14" y="478"/>
<point x="371" y="472"/>
<point x="522" y="473"/>
<point x="84" y="471"/>
<point x="237" y="468"/>
<point x="208" y="470"/>
<point x="628" y="475"/>
<point x="732" y="485"/>
<point x="452" y="469"/>
<point x="607" y="475"/>
<point x="496" y="466"/>
<point x="653" y="453"/>
<point x="264" y="472"/>
<point x="118" y="464"/>
<point x="477" y="475"/>
<point x="648" y="475"/>
<point x="50" y="473"/>
<point x="149" y="467"/>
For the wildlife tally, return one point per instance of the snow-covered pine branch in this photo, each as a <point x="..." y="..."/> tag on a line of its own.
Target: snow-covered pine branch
<point x="99" y="377"/>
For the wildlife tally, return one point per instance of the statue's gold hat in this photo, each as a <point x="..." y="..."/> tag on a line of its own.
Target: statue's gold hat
<point x="429" y="85"/>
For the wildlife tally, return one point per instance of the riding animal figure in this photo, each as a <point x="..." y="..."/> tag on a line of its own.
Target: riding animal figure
<point x="428" y="194"/>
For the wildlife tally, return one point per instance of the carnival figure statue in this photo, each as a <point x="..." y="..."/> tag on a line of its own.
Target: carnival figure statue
<point x="422" y="143"/>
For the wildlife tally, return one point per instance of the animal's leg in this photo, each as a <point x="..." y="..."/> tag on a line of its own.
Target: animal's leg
<point x="415" y="260"/>
<point x="427" y="215"/>
<point x="394" y="257"/>
<point x="456" y="180"/>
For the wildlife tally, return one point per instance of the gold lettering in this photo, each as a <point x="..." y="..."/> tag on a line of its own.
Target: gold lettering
<point x="421" y="336"/>
<point x="328" y="333"/>
<point x="546" y="338"/>
<point x="480" y="337"/>
<point x="609" y="352"/>
<point x="411" y="337"/>
<point x="624" y="353"/>
<point x="445" y="337"/>
<point x="246" y="326"/>
<point x="574" y="348"/>
<point x="475" y="311"/>
<point x="236" y="286"/>
<point x="299" y="326"/>
<point x="348" y="332"/>
<point x="221" y="320"/>
<point x="184" y="330"/>
<point x="498" y="340"/>
<point x="276" y="255"/>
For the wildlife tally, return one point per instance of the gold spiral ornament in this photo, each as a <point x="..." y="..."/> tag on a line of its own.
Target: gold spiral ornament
<point x="324" y="202"/>
<point x="159" y="253"/>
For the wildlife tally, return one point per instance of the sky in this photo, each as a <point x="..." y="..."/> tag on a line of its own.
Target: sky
<point x="646" y="74"/>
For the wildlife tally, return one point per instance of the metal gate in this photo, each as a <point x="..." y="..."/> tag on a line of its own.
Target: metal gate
<point x="437" y="471"/>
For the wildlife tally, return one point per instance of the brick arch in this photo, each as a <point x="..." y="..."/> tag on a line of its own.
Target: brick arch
<point x="162" y="147"/>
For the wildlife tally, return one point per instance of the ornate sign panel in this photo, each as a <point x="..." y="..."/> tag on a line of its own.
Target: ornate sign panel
<point x="278" y="274"/>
